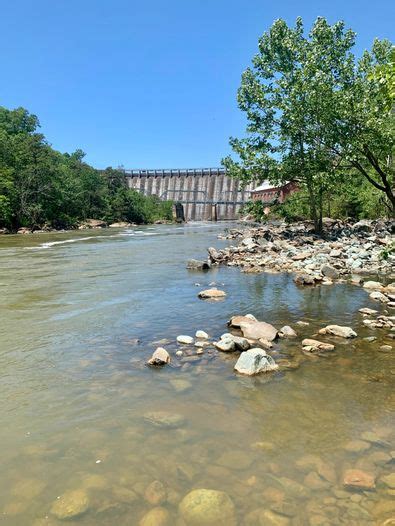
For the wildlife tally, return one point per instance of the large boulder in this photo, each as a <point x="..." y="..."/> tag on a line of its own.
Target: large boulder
<point x="207" y="507"/>
<point x="255" y="361"/>
<point x="257" y="330"/>
<point x="375" y="285"/>
<point x="338" y="330"/>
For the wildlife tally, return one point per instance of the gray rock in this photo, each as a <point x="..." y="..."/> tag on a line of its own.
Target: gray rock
<point x="184" y="339"/>
<point x="225" y="345"/>
<point x="329" y="272"/>
<point x="258" y="330"/>
<point x="195" y="264"/>
<point x="338" y="330"/>
<point x="160" y="357"/>
<point x="287" y="332"/>
<point x="255" y="361"/>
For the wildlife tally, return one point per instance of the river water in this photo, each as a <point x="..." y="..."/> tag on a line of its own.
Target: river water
<point x="81" y="312"/>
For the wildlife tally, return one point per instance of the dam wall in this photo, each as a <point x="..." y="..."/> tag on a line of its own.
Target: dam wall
<point x="197" y="189"/>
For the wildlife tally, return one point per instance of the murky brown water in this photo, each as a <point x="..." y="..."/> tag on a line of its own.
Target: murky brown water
<point x="77" y="400"/>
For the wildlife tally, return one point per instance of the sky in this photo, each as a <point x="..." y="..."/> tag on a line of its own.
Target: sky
<point x="149" y="84"/>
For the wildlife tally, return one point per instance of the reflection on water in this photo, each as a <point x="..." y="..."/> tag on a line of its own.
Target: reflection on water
<point x="83" y="419"/>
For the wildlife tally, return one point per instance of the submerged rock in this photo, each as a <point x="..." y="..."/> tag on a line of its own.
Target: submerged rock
<point x="160" y="357"/>
<point x="315" y="345"/>
<point x="164" y="419"/>
<point x="287" y="332"/>
<point x="180" y="385"/>
<point x="338" y="330"/>
<point x="255" y="361"/>
<point x="155" y="493"/>
<point x="211" y="294"/>
<point x="156" y="517"/>
<point x="358" y="479"/>
<point x="207" y="507"/>
<point x="70" y="505"/>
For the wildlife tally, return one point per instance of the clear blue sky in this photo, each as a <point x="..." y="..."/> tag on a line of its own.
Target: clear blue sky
<point x="148" y="84"/>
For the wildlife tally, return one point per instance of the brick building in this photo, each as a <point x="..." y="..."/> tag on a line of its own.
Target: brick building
<point x="270" y="194"/>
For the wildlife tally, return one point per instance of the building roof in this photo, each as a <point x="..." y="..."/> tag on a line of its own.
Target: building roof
<point x="264" y="186"/>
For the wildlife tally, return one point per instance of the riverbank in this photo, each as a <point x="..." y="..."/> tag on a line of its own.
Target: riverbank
<point x="361" y="248"/>
<point x="89" y="224"/>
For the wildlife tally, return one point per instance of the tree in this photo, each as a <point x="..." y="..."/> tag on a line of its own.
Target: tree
<point x="300" y="97"/>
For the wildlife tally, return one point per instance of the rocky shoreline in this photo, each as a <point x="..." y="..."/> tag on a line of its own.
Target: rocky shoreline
<point x="89" y="224"/>
<point x="345" y="250"/>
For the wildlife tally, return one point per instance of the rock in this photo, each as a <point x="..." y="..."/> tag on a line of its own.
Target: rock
<point x="329" y="272"/>
<point x="93" y="223"/>
<point x="366" y="310"/>
<point x="202" y="345"/>
<point x="160" y="357"/>
<point x="358" y="479"/>
<point x="225" y="345"/>
<point x="271" y="518"/>
<point x="155" y="493"/>
<point x="195" y="264"/>
<point x="184" y="339"/>
<point x="304" y="279"/>
<point x="238" y="460"/>
<point x="257" y="330"/>
<point x="180" y="385"/>
<point x="389" y="480"/>
<point x="202" y="334"/>
<point x="338" y="330"/>
<point x="385" y="348"/>
<point x="302" y="323"/>
<point x="120" y="224"/>
<point x="265" y="344"/>
<point x="211" y="294"/>
<point x="156" y="517"/>
<point x="255" y="361"/>
<point x="357" y="446"/>
<point x="376" y="285"/>
<point x="70" y="505"/>
<point x="207" y="507"/>
<point x="287" y="332"/>
<point x="379" y="296"/>
<point x="315" y="345"/>
<point x="164" y="419"/>
<point x="242" y="344"/>
<point x="24" y="231"/>
<point x="214" y="255"/>
<point x="236" y="321"/>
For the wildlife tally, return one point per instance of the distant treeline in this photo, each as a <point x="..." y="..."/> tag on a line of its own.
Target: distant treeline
<point x="40" y="186"/>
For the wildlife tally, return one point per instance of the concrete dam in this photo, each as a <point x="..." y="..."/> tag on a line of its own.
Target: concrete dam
<point x="205" y="193"/>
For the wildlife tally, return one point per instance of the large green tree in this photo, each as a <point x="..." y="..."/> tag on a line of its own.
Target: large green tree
<point x="314" y="113"/>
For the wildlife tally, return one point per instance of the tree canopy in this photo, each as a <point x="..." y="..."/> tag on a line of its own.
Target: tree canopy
<point x="316" y="115"/>
<point x="41" y="186"/>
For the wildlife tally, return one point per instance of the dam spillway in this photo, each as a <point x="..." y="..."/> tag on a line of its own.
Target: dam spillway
<point x="198" y="189"/>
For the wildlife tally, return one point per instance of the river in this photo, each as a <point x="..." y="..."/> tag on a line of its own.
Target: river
<point x="82" y="311"/>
